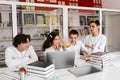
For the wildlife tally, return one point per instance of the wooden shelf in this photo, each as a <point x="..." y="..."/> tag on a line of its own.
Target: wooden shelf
<point x="3" y="40"/>
<point x="38" y="38"/>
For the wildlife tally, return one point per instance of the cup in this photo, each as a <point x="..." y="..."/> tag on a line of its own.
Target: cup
<point x="67" y="45"/>
<point x="22" y="76"/>
<point x="23" y="72"/>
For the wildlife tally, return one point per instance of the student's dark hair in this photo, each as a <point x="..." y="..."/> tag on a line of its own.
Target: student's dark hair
<point x="48" y="42"/>
<point x="95" y="21"/>
<point x="56" y="30"/>
<point x="20" y="38"/>
<point x="74" y="32"/>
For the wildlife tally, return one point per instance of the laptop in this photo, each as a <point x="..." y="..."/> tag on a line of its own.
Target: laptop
<point x="63" y="59"/>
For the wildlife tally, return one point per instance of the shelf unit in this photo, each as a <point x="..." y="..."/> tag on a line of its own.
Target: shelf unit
<point x="66" y="10"/>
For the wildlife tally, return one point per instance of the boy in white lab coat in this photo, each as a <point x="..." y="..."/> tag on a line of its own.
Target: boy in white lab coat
<point x="21" y="53"/>
<point x="95" y="41"/>
<point x="76" y="45"/>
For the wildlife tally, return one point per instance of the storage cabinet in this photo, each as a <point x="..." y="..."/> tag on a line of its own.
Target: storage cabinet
<point x="38" y="23"/>
<point x="78" y="19"/>
<point x="5" y="27"/>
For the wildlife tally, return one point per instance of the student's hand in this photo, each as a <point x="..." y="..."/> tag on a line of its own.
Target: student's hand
<point x="57" y="48"/>
<point x="84" y="57"/>
<point x="62" y="42"/>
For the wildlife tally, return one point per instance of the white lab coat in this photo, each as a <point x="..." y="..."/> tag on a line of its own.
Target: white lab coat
<point x="77" y="48"/>
<point x="99" y="42"/>
<point x="15" y="59"/>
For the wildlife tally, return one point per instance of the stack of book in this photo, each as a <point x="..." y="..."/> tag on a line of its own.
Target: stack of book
<point x="41" y="69"/>
<point x="99" y="59"/>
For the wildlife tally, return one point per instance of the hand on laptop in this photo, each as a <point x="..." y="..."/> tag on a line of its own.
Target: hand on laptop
<point x="85" y="57"/>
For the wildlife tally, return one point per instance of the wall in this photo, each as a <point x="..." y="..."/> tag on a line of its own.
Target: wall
<point x="112" y="31"/>
<point x="110" y="4"/>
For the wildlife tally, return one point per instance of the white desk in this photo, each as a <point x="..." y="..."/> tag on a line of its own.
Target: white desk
<point x="108" y="73"/>
<point x="111" y="73"/>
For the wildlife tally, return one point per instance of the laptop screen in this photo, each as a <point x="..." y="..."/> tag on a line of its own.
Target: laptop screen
<point x="63" y="59"/>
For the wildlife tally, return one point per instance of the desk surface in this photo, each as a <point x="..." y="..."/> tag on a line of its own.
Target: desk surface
<point x="108" y="73"/>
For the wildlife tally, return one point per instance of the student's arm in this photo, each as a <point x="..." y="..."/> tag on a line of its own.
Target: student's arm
<point x="83" y="48"/>
<point x="32" y="55"/>
<point x="90" y="46"/>
<point x="100" y="46"/>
